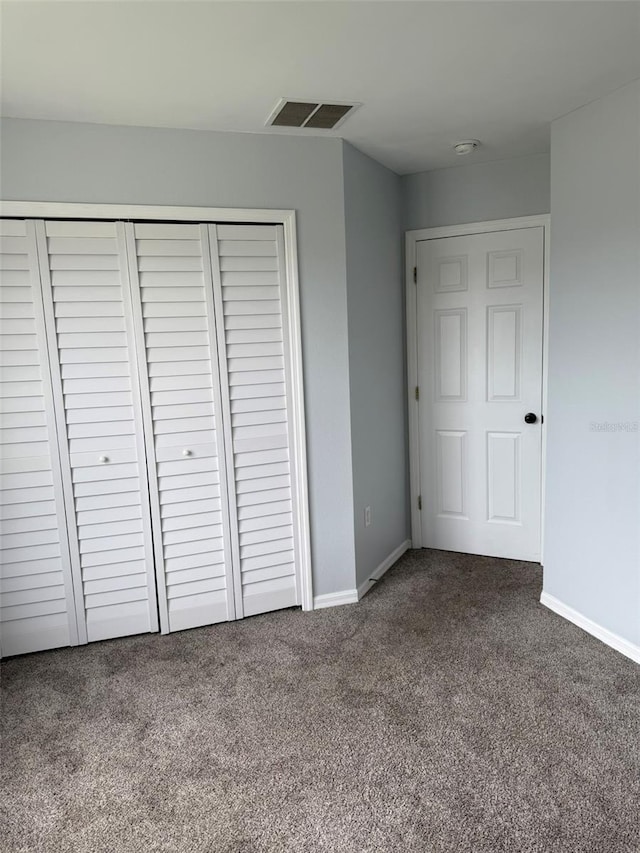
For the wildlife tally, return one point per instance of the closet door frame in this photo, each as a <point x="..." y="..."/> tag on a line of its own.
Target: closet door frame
<point x="213" y="215"/>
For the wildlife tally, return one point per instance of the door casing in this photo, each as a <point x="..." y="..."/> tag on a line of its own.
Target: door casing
<point x="411" y="240"/>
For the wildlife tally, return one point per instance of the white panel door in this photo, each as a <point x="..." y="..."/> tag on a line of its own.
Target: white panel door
<point x="253" y="345"/>
<point x="36" y="593"/>
<point x="173" y="308"/>
<point x="90" y="334"/>
<point x="480" y="374"/>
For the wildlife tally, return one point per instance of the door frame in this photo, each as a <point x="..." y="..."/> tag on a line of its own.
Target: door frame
<point x="286" y="218"/>
<point x="412" y="238"/>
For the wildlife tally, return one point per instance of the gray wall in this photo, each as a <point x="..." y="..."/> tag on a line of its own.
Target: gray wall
<point x="61" y="161"/>
<point x="373" y="219"/>
<point x="477" y="192"/>
<point x="592" y="537"/>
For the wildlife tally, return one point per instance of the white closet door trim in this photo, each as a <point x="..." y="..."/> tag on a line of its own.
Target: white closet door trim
<point x="65" y="210"/>
<point x="286" y="218"/>
<point x="286" y="342"/>
<point x="290" y="300"/>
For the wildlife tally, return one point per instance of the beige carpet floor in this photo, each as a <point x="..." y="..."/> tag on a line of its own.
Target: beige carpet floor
<point x="448" y="711"/>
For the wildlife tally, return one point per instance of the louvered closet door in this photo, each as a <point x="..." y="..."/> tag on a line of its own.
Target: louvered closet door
<point x="250" y="293"/>
<point x="90" y="333"/>
<point x="36" y="594"/>
<point x="173" y="305"/>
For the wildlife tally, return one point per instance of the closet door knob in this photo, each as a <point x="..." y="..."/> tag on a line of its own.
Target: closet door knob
<point x="103" y="459"/>
<point x="186" y="453"/>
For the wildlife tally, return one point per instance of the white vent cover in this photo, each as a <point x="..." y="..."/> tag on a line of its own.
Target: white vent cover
<point x="311" y="114"/>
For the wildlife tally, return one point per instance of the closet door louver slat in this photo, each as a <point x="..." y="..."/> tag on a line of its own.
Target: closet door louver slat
<point x="90" y="333"/>
<point x="250" y="293"/>
<point x="170" y="270"/>
<point x="36" y="592"/>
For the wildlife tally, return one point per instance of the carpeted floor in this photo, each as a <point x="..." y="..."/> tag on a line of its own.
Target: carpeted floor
<point x="448" y="711"/>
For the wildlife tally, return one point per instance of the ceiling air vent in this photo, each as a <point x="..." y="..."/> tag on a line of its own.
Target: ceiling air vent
<point x="310" y="114"/>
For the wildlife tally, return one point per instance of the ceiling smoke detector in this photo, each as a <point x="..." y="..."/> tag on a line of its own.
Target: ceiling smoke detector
<point x="465" y="147"/>
<point x="312" y="114"/>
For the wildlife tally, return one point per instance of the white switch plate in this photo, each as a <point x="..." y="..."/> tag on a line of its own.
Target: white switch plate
<point x="367" y="516"/>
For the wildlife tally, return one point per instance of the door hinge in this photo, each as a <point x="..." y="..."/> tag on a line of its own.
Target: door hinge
<point x="415" y="275"/>
<point x="420" y="502"/>
<point x="417" y="393"/>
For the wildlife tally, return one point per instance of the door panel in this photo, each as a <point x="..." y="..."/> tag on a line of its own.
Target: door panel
<point x="146" y="401"/>
<point x="169" y="265"/>
<point x="480" y="372"/>
<point x="250" y="294"/>
<point x="83" y="267"/>
<point x="36" y="591"/>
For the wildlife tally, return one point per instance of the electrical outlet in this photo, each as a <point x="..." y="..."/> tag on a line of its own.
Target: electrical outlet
<point x="367" y="516"/>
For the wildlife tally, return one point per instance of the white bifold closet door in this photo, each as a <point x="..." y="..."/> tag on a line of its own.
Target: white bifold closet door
<point x="173" y="308"/>
<point x="148" y="473"/>
<point x="210" y="312"/>
<point x="36" y="591"/>
<point x="253" y="344"/>
<point x="88" y="315"/>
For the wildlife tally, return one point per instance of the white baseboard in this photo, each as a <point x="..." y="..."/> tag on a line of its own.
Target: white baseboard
<point x="616" y="642"/>
<point x="377" y="573"/>
<point x="352" y="596"/>
<point x="333" y="599"/>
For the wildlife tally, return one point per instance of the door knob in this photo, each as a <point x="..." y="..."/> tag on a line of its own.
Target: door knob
<point x="103" y="459"/>
<point x="530" y="418"/>
<point x="186" y="453"/>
